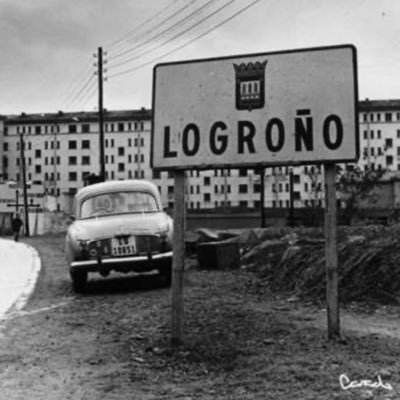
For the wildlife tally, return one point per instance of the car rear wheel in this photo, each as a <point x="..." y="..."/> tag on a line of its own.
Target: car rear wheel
<point x="79" y="280"/>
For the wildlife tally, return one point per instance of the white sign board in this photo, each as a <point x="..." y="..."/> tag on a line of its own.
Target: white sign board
<point x="292" y="107"/>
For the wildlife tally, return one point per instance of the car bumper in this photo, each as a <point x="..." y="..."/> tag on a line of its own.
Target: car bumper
<point x="124" y="264"/>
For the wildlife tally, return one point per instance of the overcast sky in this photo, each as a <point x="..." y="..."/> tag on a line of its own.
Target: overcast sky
<point x="47" y="46"/>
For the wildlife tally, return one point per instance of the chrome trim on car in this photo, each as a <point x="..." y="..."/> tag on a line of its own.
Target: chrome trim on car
<point x="121" y="260"/>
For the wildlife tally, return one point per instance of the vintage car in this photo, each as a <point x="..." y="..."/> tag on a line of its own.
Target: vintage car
<point x="118" y="226"/>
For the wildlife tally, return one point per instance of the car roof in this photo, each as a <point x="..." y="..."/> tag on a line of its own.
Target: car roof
<point x="139" y="185"/>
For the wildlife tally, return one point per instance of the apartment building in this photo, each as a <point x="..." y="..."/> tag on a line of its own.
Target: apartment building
<point x="61" y="149"/>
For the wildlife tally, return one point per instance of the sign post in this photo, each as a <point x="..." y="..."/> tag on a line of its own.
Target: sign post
<point x="331" y="258"/>
<point x="263" y="110"/>
<point x="178" y="262"/>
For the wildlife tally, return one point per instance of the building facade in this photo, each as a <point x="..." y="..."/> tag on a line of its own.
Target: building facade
<point x="61" y="149"/>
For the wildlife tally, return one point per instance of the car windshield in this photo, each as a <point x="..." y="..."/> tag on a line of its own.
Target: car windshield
<point x="118" y="203"/>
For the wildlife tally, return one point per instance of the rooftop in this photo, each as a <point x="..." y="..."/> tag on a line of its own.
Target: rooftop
<point x="74" y="117"/>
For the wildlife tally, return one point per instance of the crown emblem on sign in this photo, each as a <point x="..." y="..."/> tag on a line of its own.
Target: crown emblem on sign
<point x="250" y="85"/>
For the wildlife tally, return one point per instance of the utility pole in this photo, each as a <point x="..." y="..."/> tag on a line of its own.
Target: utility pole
<point x="225" y="173"/>
<point x="262" y="195"/>
<point x="23" y="171"/>
<point x="55" y="188"/>
<point x="291" y="199"/>
<point x="368" y="136"/>
<point x="139" y="165"/>
<point x="101" y="110"/>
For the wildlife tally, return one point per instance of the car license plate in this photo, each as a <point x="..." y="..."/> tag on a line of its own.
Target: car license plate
<point x="123" y="246"/>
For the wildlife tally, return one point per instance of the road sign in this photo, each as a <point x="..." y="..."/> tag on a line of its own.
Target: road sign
<point x="283" y="108"/>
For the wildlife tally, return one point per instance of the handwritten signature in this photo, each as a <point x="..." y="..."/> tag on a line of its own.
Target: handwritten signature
<point x="347" y="384"/>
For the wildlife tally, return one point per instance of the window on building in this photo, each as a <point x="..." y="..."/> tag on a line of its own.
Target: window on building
<point x="207" y="197"/>
<point x="85" y="128"/>
<point x="389" y="160"/>
<point x="85" y="160"/>
<point x="256" y="188"/>
<point x="72" y="160"/>
<point x="296" y="178"/>
<point x="170" y="190"/>
<point x="112" y="142"/>
<point x="38" y="130"/>
<point x="215" y="188"/>
<point x="207" y="181"/>
<point x="242" y="188"/>
<point x="72" y="144"/>
<point x="372" y="134"/>
<point x="379" y="134"/>
<point x="5" y="146"/>
<point x="389" y="143"/>
<point x="72" y="128"/>
<point x="85" y="144"/>
<point x="121" y="151"/>
<point x="38" y="169"/>
<point x="38" y="153"/>
<point x="388" y="117"/>
<point x="121" y="127"/>
<point x="242" y="172"/>
<point x="72" y="176"/>
<point x="121" y="167"/>
<point x="129" y="142"/>
<point x="243" y="203"/>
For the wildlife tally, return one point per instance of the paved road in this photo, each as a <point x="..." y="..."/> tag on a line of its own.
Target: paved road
<point x="19" y="269"/>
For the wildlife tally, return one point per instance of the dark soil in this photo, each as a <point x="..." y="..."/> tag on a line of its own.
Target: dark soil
<point x="241" y="341"/>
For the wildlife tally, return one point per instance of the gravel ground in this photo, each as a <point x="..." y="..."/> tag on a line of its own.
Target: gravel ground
<point x="241" y="342"/>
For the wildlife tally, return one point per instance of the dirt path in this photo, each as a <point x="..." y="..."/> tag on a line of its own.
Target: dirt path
<point x="240" y="341"/>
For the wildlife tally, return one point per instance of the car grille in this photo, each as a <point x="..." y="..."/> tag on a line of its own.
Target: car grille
<point x="147" y="243"/>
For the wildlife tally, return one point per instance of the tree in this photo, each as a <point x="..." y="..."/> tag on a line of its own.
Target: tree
<point x="355" y="184"/>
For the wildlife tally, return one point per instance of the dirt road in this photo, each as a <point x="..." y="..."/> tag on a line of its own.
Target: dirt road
<point x="241" y="342"/>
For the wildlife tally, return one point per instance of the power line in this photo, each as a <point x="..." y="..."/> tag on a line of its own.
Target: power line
<point x="161" y="23"/>
<point x="188" y="42"/>
<point x="126" y="36"/>
<point x="76" y="83"/>
<point x="84" y="89"/>
<point x="167" y="30"/>
<point x="89" y="96"/>
<point x="176" y="36"/>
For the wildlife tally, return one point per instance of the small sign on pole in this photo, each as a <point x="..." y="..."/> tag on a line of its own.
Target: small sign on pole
<point x="260" y="110"/>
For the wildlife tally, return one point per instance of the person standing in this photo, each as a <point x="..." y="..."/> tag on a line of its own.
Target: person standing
<point x="16" y="224"/>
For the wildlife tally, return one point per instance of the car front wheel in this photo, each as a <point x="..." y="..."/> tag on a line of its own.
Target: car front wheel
<point x="79" y="280"/>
